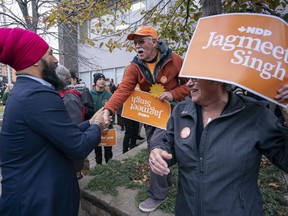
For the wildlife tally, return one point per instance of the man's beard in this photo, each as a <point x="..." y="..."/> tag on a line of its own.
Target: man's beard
<point x="49" y="75"/>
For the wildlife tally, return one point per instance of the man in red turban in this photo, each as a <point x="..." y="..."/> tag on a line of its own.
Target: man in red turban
<point x="38" y="140"/>
<point x="20" y="48"/>
<point x="25" y="50"/>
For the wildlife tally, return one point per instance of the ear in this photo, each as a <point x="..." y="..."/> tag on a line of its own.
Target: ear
<point x="38" y="63"/>
<point x="155" y="42"/>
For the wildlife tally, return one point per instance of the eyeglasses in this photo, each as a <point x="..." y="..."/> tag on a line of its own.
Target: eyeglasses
<point x="194" y="80"/>
<point x="141" y="41"/>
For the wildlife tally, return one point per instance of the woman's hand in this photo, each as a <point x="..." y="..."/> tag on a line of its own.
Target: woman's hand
<point x="157" y="161"/>
<point x="283" y="96"/>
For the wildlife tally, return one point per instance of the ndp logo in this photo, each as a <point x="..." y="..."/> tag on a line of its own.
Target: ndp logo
<point x="255" y="30"/>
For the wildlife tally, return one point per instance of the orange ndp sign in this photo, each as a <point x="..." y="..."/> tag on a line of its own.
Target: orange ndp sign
<point x="109" y="139"/>
<point x="143" y="107"/>
<point x="248" y="50"/>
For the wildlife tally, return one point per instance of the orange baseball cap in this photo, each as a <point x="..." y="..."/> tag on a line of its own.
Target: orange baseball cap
<point x="144" y="31"/>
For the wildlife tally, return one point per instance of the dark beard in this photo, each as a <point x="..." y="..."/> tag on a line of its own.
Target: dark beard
<point x="49" y="75"/>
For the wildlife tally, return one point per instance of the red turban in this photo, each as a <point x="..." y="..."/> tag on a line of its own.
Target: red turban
<point x="21" y="48"/>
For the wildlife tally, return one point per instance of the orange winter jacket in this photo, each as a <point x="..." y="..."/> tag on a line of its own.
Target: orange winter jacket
<point x="168" y="68"/>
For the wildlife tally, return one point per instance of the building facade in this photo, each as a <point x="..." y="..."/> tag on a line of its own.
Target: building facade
<point x="111" y="64"/>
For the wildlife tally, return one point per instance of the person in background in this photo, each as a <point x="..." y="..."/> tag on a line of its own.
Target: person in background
<point x="139" y="131"/>
<point x="2" y="88"/>
<point x="218" y="146"/>
<point x="38" y="139"/>
<point x="155" y="63"/>
<point x="131" y="134"/>
<point x="120" y="119"/>
<point x="74" y="105"/>
<point x="88" y="107"/>
<point x="6" y="93"/>
<point x="107" y="85"/>
<point x="85" y="94"/>
<point x="112" y="86"/>
<point x="100" y="96"/>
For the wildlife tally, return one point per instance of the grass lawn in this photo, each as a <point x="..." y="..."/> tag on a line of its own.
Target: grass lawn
<point x="1" y="114"/>
<point x="1" y="109"/>
<point x="134" y="173"/>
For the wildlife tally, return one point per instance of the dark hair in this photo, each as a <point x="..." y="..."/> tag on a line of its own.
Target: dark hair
<point x="74" y="75"/>
<point x="98" y="76"/>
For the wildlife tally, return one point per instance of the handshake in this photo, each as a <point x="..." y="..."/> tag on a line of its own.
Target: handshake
<point x="102" y="118"/>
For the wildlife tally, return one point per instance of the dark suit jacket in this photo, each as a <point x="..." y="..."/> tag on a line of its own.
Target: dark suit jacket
<point x="38" y="144"/>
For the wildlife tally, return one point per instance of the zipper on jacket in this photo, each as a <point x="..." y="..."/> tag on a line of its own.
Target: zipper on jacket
<point x="201" y="164"/>
<point x="201" y="155"/>
<point x="241" y="199"/>
<point x="199" y="191"/>
<point x="166" y="62"/>
<point x="158" y="72"/>
<point x="160" y="67"/>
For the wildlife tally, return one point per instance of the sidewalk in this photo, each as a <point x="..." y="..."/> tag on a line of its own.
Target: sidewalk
<point x="118" y="149"/>
<point x="125" y="204"/>
<point x="117" y="153"/>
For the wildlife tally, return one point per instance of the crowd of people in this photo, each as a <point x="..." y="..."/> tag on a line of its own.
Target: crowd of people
<point x="217" y="135"/>
<point x="3" y="86"/>
<point x="6" y="92"/>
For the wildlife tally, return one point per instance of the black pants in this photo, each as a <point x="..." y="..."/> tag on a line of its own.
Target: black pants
<point x="108" y="154"/>
<point x="120" y="121"/>
<point x="131" y="134"/>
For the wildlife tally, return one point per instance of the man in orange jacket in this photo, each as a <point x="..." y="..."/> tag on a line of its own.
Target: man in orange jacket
<point x="155" y="63"/>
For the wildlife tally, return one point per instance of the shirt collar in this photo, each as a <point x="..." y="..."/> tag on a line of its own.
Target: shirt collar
<point x="43" y="82"/>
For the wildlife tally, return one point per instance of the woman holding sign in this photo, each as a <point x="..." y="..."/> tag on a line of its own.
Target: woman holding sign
<point x="218" y="139"/>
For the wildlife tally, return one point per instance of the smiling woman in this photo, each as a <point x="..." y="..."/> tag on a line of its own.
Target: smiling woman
<point x="193" y="141"/>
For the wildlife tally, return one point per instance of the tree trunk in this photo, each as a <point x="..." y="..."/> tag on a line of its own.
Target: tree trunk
<point x="211" y="7"/>
<point x="68" y="46"/>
